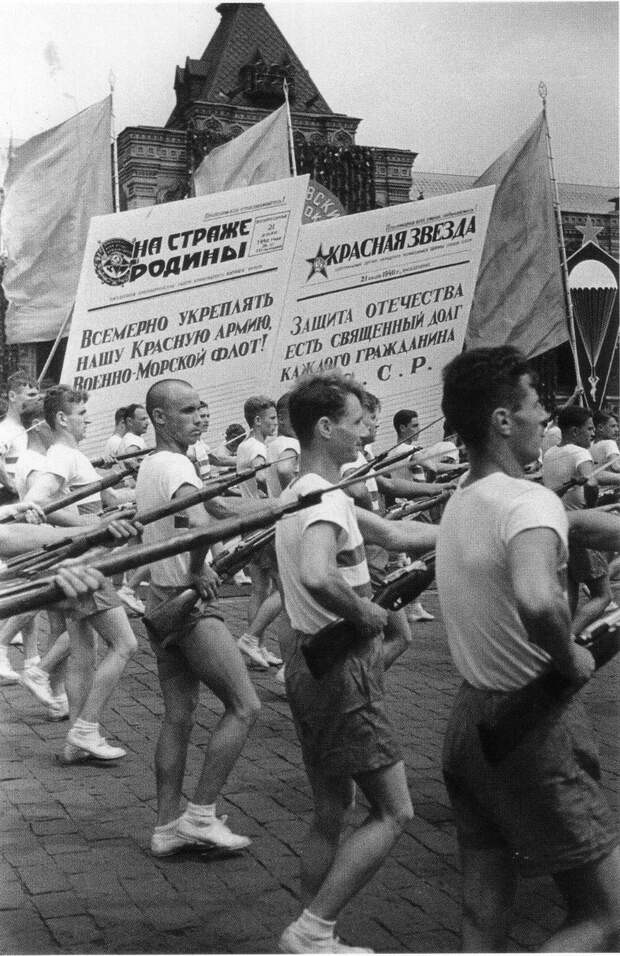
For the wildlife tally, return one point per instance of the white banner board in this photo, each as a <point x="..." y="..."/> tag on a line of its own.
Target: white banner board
<point x="191" y="290"/>
<point x="385" y="296"/>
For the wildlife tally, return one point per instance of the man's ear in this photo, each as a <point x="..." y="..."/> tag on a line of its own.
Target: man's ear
<point x="324" y="426"/>
<point x="158" y="417"/>
<point x="501" y="421"/>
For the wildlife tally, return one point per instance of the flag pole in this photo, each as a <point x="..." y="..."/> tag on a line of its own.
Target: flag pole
<point x="117" y="191"/>
<point x="608" y="376"/>
<point x="542" y="92"/>
<point x="54" y="348"/>
<point x="289" y="123"/>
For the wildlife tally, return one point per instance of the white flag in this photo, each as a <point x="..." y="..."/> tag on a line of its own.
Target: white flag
<point x="259" y="155"/>
<point x="55" y="182"/>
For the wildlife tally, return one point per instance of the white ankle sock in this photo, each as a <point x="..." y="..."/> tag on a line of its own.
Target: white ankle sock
<point x="200" y="812"/>
<point x="315" y="926"/>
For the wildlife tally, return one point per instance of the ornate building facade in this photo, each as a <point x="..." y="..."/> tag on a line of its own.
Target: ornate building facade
<point x="237" y="82"/>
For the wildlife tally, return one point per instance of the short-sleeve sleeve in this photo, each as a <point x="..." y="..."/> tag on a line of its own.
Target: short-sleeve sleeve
<point x="538" y="508"/>
<point x="179" y="471"/>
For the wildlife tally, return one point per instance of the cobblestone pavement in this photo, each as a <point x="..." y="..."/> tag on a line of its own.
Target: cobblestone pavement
<point x="76" y="875"/>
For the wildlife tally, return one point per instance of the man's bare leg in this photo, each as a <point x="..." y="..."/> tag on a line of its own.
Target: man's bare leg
<point x="214" y="659"/>
<point x="489" y="887"/>
<point x="593" y="901"/>
<point x="114" y="629"/>
<point x="180" y="689"/>
<point x="359" y="856"/>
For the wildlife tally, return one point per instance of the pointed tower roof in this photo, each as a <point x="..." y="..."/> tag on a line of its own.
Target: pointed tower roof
<point x="246" y="47"/>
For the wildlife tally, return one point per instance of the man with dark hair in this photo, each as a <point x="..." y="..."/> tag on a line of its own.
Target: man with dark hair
<point x="341" y="720"/>
<point x="200" y="649"/>
<point x="501" y="556"/>
<point x="21" y="390"/>
<point x="136" y="424"/>
<point x="571" y="460"/>
<point x="605" y="445"/>
<point x="261" y="416"/>
<point x="111" y="447"/>
<point x="88" y="686"/>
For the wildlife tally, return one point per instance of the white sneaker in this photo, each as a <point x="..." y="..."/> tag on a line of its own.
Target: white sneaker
<point x="271" y="659"/>
<point x="167" y="842"/>
<point x="293" y="940"/>
<point x="213" y="833"/>
<point x="417" y="613"/>
<point x="94" y="744"/>
<point x="248" y="645"/>
<point x="280" y="676"/>
<point x="71" y="754"/>
<point x="130" y="599"/>
<point x="37" y="682"/>
<point x="18" y="640"/>
<point x="59" y="708"/>
<point x="7" y="674"/>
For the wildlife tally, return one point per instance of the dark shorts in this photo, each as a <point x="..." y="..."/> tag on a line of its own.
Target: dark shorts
<point x="544" y="802"/>
<point x="104" y="599"/>
<point x="585" y="565"/>
<point x="265" y="560"/>
<point x="341" y="720"/>
<point x="159" y="595"/>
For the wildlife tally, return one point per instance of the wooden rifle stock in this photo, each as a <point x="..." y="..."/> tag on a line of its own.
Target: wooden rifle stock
<point x="332" y="643"/>
<point x="84" y="492"/>
<point x="523" y="709"/>
<point x="168" y="617"/>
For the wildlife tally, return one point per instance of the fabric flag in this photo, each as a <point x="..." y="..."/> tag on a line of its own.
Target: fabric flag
<point x="519" y="298"/>
<point x="259" y="155"/>
<point x="54" y="183"/>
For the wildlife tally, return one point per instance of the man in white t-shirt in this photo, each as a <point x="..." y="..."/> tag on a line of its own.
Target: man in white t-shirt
<point x="341" y="720"/>
<point x="136" y="425"/>
<point x="201" y="649"/>
<point x="501" y="560"/>
<point x="571" y="460"/>
<point x="604" y="448"/>
<point x="88" y="686"/>
<point x="21" y="391"/>
<point x="261" y="416"/>
<point x="112" y="445"/>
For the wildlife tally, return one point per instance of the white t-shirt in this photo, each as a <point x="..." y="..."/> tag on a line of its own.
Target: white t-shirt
<point x="604" y="451"/>
<point x="248" y="451"/>
<point x="112" y="445"/>
<point x="13" y="443"/>
<point x="159" y="477"/>
<point x="487" y="640"/>
<point x="439" y="452"/>
<point x="27" y="463"/>
<point x="560" y="464"/>
<point x="280" y="447"/>
<point x="336" y="508"/>
<point x="130" y="441"/>
<point x="198" y="454"/>
<point x="552" y="437"/>
<point x="369" y="480"/>
<point x="76" y="471"/>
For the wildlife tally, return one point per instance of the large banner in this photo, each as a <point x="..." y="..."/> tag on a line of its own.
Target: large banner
<point x="385" y="296"/>
<point x="191" y="290"/>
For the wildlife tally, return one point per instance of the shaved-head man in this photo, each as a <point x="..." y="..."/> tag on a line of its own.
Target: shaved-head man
<point x="200" y="649"/>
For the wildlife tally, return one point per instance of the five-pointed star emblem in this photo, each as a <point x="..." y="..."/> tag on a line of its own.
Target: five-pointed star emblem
<point x="589" y="232"/>
<point x="318" y="264"/>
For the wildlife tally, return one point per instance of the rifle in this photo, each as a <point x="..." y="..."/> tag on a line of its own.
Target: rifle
<point x="333" y="642"/>
<point x="44" y="558"/>
<point x="162" y="622"/>
<point x="523" y="709"/>
<point x="93" y="488"/>
<point x="105" y="463"/>
<point x="31" y="595"/>
<point x="413" y="508"/>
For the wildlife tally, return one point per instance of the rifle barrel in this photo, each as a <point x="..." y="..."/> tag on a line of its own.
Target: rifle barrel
<point x="93" y="488"/>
